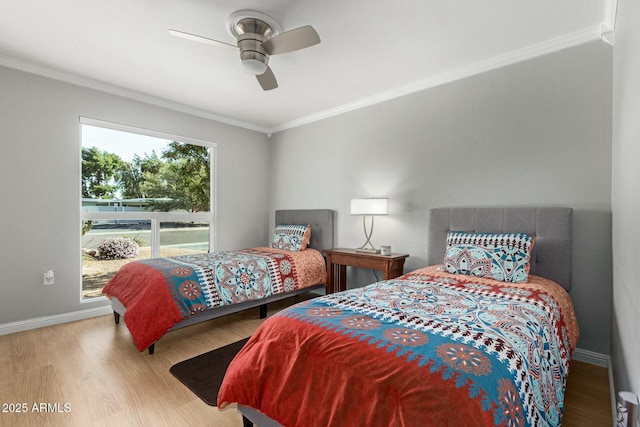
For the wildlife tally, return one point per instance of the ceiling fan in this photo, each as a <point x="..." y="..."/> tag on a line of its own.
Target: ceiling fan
<point x="258" y="37"/>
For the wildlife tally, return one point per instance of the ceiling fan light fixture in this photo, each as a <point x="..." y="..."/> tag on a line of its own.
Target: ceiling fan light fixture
<point x="254" y="66"/>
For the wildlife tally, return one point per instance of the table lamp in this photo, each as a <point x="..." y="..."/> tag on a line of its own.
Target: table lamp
<point x="368" y="207"/>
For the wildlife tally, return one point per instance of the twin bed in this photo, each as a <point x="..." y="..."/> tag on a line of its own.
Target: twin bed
<point x="483" y="336"/>
<point x="159" y="295"/>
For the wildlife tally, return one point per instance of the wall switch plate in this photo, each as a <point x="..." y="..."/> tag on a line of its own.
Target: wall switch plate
<point x="48" y="277"/>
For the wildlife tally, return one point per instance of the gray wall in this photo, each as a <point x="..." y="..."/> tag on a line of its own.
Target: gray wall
<point x="534" y="133"/>
<point x="626" y="197"/>
<point x="40" y="182"/>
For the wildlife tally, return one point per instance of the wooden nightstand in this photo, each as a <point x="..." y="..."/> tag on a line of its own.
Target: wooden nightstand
<point x="338" y="259"/>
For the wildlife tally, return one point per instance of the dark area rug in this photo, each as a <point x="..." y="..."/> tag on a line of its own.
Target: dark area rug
<point x="203" y="374"/>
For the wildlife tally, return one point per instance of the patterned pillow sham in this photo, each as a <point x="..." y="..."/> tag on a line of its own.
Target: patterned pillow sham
<point x="291" y="237"/>
<point x="504" y="257"/>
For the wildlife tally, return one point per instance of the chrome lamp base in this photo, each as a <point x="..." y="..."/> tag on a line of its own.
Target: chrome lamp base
<point x="367" y="233"/>
<point x="368" y="250"/>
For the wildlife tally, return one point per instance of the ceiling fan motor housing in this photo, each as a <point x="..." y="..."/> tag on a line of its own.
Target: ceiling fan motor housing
<point x="251" y="34"/>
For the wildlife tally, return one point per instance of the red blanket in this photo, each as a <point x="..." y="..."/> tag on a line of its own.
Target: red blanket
<point x="151" y="309"/>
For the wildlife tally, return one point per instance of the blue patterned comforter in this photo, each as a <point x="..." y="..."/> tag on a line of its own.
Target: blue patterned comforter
<point x="429" y="348"/>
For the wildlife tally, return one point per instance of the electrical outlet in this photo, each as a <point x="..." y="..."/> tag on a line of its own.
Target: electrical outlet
<point x="48" y="277"/>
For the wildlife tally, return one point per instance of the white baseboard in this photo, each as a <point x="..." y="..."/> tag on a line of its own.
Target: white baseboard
<point x="602" y="360"/>
<point x="614" y="400"/>
<point x="591" y="357"/>
<point x="41" y="322"/>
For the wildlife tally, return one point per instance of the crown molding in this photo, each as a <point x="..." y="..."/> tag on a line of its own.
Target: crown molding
<point x="610" y="13"/>
<point x="603" y="32"/>
<point x="78" y="80"/>
<point x="609" y="21"/>
<point x="519" y="55"/>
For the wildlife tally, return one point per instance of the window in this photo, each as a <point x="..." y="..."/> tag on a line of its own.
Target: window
<point x="144" y="194"/>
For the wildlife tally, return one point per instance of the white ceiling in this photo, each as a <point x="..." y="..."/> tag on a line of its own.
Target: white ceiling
<point x="371" y="50"/>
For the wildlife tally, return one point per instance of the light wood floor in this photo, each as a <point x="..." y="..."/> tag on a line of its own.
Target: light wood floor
<point x="91" y="369"/>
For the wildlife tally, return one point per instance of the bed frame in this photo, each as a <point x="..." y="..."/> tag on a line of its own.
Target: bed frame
<point x="551" y="255"/>
<point x="322" y="236"/>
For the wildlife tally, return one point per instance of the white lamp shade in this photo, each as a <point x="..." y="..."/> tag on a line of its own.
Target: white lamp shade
<point x="368" y="206"/>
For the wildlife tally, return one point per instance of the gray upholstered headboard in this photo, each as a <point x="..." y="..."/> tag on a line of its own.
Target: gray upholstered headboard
<point x="551" y="256"/>
<point x="321" y="221"/>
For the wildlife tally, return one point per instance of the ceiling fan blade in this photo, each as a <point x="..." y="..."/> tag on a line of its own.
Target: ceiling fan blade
<point x="267" y="80"/>
<point x="201" y="39"/>
<point x="298" y="38"/>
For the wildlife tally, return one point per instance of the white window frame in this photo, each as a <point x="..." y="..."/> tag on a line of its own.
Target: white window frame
<point x="155" y="217"/>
